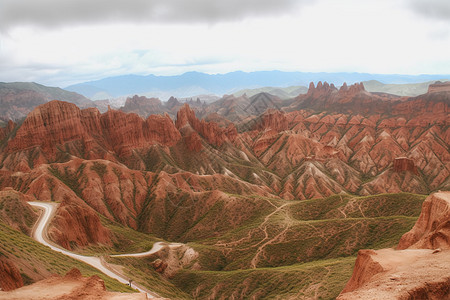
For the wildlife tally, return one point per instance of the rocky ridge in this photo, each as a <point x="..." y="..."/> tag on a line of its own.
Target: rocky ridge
<point x="116" y="162"/>
<point x="418" y="269"/>
<point x="71" y="286"/>
<point x="10" y="278"/>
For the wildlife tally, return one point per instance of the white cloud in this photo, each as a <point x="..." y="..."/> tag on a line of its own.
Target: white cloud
<point x="50" y="13"/>
<point x="325" y="36"/>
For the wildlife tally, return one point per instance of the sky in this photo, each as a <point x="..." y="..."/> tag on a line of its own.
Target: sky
<point x="63" y="42"/>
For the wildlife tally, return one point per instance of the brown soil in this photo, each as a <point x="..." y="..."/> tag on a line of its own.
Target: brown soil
<point x="72" y="286"/>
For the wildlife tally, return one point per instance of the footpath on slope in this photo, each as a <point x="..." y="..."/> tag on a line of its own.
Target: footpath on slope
<point x="40" y="235"/>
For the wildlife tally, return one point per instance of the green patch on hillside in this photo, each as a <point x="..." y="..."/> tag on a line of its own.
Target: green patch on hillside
<point x="141" y="272"/>
<point x="289" y="249"/>
<point x="36" y="261"/>
<point x="345" y="206"/>
<point x="14" y="212"/>
<point x="302" y="231"/>
<point x="322" y="279"/>
<point x="125" y="240"/>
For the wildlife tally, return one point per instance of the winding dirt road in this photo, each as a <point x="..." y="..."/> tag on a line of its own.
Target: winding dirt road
<point x="40" y="235"/>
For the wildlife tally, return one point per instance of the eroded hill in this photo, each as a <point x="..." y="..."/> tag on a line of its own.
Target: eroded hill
<point x="234" y="191"/>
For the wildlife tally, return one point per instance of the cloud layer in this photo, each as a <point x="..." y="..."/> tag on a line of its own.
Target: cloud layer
<point x="49" y="13"/>
<point x="435" y="9"/>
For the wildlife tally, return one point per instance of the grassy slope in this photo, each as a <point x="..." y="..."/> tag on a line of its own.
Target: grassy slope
<point x="125" y="240"/>
<point x="141" y="271"/>
<point x="37" y="261"/>
<point x="323" y="279"/>
<point x="312" y="257"/>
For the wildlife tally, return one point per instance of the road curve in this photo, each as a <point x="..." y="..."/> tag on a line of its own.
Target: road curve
<point x="40" y="235"/>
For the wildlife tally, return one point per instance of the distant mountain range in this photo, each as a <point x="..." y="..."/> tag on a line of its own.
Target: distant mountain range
<point x="195" y="83"/>
<point x="17" y="99"/>
<point x="374" y="86"/>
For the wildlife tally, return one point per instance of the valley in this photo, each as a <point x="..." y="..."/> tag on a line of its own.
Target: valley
<point x="260" y="197"/>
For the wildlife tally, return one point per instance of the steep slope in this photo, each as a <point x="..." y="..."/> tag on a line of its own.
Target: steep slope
<point x="72" y="286"/>
<point x="419" y="269"/>
<point x="15" y="212"/>
<point x="36" y="262"/>
<point x="10" y="277"/>
<point x="298" y="154"/>
<point x="18" y="99"/>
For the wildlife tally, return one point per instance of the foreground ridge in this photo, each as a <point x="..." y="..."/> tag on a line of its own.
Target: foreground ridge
<point x="418" y="269"/>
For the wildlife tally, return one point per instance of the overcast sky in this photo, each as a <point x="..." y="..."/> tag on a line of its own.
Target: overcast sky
<point x="61" y="42"/>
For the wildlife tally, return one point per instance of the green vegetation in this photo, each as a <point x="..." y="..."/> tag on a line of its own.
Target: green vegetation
<point x="14" y="212"/>
<point x="142" y="272"/>
<point x="323" y="279"/>
<point x="125" y="240"/>
<point x="345" y="206"/>
<point x="294" y="249"/>
<point x="37" y="261"/>
<point x="68" y="177"/>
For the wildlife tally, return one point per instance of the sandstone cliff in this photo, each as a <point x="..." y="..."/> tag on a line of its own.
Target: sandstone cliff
<point x="77" y="225"/>
<point x="418" y="270"/>
<point x="210" y="131"/>
<point x="402" y="164"/>
<point x="432" y="229"/>
<point x="439" y="87"/>
<point x="71" y="286"/>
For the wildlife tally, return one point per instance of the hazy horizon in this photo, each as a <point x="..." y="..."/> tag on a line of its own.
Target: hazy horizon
<point x="60" y="43"/>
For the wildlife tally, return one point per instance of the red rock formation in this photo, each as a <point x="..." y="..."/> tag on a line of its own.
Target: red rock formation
<point x="76" y="225"/>
<point x="49" y="124"/>
<point x="211" y="132"/>
<point x="57" y="123"/>
<point x="439" y="87"/>
<point x="365" y="268"/>
<point x="412" y="270"/>
<point x="432" y="229"/>
<point x="70" y="287"/>
<point x="4" y="131"/>
<point x="143" y="106"/>
<point x="321" y="90"/>
<point x="272" y="119"/>
<point x="403" y="164"/>
<point x="10" y="278"/>
<point x="159" y="265"/>
<point x="193" y="142"/>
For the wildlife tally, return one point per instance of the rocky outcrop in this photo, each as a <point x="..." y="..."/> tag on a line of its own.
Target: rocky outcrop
<point x="210" y="131"/>
<point x="438" y="87"/>
<point x="418" y="269"/>
<point x="126" y="132"/>
<point x="321" y="90"/>
<point x="10" y="278"/>
<point x="50" y="124"/>
<point x="77" y="225"/>
<point x="365" y="268"/>
<point x="159" y="265"/>
<point x="403" y="164"/>
<point x="71" y="286"/>
<point x="143" y="106"/>
<point x="272" y="119"/>
<point x="88" y="132"/>
<point x="402" y="274"/>
<point x="432" y="229"/>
